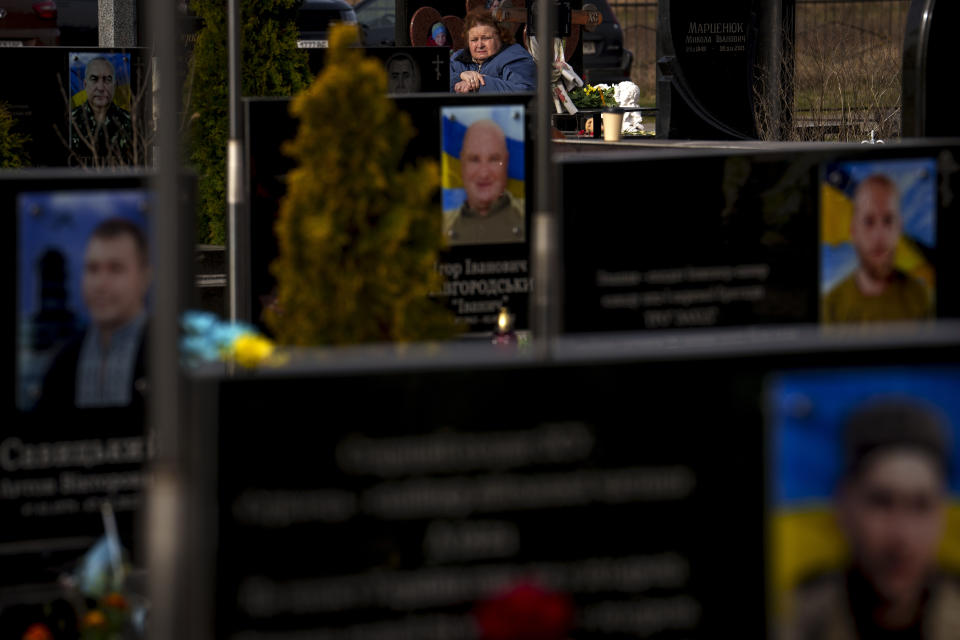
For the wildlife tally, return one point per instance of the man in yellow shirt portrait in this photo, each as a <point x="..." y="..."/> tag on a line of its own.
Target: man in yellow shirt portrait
<point x="876" y="291"/>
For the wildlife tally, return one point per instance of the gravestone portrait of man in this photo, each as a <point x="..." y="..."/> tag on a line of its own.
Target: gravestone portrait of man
<point x="403" y="76"/>
<point x="876" y="290"/>
<point x="490" y="213"/>
<point x="105" y="365"/>
<point x="891" y="506"/>
<point x="99" y="128"/>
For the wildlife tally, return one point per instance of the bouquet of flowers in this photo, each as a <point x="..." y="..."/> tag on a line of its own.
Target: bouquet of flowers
<point x="207" y="338"/>
<point x="594" y="97"/>
<point x="96" y="601"/>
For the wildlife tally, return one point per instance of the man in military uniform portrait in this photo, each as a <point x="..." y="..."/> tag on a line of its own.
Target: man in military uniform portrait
<point x="890" y="506"/>
<point x="100" y="130"/>
<point x="876" y="290"/>
<point x="490" y="215"/>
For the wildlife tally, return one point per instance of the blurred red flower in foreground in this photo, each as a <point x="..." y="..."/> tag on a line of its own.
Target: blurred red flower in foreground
<point x="525" y="612"/>
<point x="115" y="600"/>
<point x="38" y="632"/>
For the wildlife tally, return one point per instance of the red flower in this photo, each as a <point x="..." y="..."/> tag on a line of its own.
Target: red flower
<point x="114" y="600"/>
<point x="37" y="632"/>
<point x="525" y="612"/>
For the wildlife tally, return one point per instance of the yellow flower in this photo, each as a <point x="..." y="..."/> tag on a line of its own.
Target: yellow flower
<point x="94" y="619"/>
<point x="251" y="349"/>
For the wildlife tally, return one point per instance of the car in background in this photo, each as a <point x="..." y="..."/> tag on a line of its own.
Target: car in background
<point x="79" y="22"/>
<point x="377" y="20"/>
<point x="28" y="22"/>
<point x="604" y="58"/>
<point x="315" y="18"/>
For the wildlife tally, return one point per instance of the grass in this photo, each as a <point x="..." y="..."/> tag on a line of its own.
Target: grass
<point x="847" y="64"/>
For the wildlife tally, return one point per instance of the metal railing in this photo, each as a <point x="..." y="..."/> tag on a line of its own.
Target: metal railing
<point x="638" y="22"/>
<point x="846" y="50"/>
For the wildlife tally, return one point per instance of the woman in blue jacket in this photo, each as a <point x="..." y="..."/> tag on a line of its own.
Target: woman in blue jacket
<point x="492" y="62"/>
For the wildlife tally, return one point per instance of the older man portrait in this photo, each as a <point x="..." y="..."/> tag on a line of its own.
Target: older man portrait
<point x="99" y="129"/>
<point x="490" y="214"/>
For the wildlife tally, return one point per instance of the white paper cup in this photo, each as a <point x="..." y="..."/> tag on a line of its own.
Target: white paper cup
<point x="612" y="123"/>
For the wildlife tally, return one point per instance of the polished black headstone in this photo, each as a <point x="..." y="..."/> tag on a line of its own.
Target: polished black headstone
<point x="480" y="278"/>
<point x="38" y="96"/>
<point x="929" y="51"/>
<point x="630" y="479"/>
<point x="725" y="237"/>
<point x="707" y="54"/>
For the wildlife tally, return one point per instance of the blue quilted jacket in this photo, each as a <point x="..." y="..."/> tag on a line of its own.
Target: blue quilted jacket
<point x="510" y="69"/>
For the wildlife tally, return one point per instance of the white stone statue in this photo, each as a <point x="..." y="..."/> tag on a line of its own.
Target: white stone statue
<point x="627" y="94"/>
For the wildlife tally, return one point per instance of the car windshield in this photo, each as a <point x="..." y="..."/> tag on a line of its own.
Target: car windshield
<point x="372" y="12"/>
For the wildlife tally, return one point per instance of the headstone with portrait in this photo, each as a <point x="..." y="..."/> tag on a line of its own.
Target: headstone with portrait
<point x="409" y="69"/>
<point x="593" y="497"/>
<point x="80" y="106"/>
<point x="74" y="445"/>
<point x="481" y="145"/>
<point x="771" y="235"/>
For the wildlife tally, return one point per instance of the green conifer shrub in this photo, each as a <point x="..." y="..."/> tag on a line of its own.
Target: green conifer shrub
<point x="358" y="234"/>
<point x="12" y="152"/>
<point x="272" y="65"/>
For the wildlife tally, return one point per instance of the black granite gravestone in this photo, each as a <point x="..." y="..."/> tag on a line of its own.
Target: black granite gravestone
<point x="480" y="277"/>
<point x="430" y="67"/>
<point x="393" y="498"/>
<point x="709" y="57"/>
<point x="928" y="55"/>
<point x="750" y="236"/>
<point x="71" y="477"/>
<point x="46" y="83"/>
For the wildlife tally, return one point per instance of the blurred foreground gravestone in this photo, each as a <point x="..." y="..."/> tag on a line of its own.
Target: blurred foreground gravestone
<point x="928" y="56"/>
<point x="710" y="57"/>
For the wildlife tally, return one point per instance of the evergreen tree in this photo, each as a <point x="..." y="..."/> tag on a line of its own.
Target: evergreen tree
<point x="358" y="233"/>
<point x="272" y="66"/>
<point x="12" y="143"/>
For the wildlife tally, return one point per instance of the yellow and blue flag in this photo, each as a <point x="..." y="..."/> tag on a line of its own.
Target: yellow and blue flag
<point x="455" y="122"/>
<point x="916" y="181"/>
<point x="807" y="414"/>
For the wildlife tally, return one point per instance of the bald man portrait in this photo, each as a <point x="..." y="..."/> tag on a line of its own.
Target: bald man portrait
<point x="876" y="291"/>
<point x="99" y="129"/>
<point x="490" y="215"/>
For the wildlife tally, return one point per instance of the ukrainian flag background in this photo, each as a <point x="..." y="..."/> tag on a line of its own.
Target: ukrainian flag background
<point x="806" y="413"/>
<point x="916" y="180"/>
<point x="78" y="67"/>
<point x="455" y="120"/>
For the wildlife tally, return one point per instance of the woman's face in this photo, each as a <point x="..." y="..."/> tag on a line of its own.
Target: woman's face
<point x="484" y="41"/>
